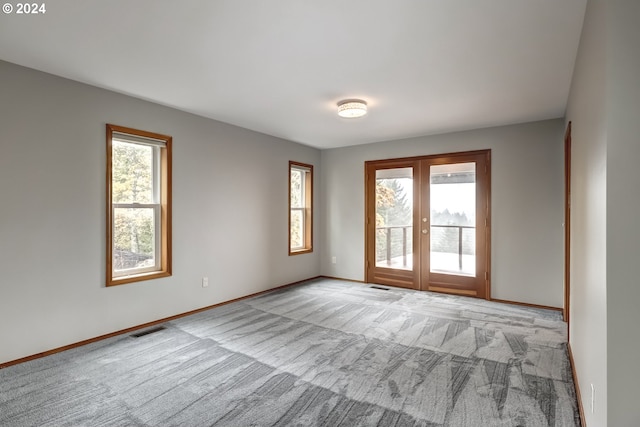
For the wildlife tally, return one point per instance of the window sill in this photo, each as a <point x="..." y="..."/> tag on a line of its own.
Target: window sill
<point x="300" y="251"/>
<point x="115" y="281"/>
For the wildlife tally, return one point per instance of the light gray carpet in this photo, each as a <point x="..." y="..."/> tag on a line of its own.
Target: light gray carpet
<point x="327" y="353"/>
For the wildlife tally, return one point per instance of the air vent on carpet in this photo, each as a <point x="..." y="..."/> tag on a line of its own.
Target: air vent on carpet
<point x="148" y="331"/>
<point x="379" y="287"/>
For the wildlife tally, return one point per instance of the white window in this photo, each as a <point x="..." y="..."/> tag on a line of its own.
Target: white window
<point x="300" y="208"/>
<point x="138" y="205"/>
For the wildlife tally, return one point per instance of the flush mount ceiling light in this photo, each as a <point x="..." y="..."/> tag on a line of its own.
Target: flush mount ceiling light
<point x="352" y="108"/>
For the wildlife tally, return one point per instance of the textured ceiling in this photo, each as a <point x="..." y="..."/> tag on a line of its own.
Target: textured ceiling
<point x="279" y="67"/>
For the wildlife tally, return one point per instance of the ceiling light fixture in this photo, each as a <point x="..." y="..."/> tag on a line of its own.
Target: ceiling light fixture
<point x="352" y="108"/>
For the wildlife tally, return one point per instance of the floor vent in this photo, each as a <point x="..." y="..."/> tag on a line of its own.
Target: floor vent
<point x="379" y="287"/>
<point x="148" y="331"/>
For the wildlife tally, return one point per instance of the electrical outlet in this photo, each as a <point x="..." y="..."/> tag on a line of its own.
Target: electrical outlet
<point x="593" y="398"/>
<point x="205" y="282"/>
<point x="333" y="260"/>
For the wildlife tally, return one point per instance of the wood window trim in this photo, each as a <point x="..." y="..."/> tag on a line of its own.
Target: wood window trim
<point x="165" y="207"/>
<point x="308" y="208"/>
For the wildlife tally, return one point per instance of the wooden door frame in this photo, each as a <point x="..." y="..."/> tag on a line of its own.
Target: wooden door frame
<point x="567" y="224"/>
<point x="371" y="165"/>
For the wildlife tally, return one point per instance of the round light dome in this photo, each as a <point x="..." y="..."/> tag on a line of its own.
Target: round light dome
<point x="352" y="108"/>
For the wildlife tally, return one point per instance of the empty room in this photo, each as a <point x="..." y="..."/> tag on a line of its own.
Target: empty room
<point x="363" y="213"/>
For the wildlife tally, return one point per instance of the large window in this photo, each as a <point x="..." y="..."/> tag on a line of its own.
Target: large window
<point x="138" y="205"/>
<point x="300" y="208"/>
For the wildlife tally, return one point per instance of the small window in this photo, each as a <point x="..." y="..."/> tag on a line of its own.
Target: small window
<point x="300" y="208"/>
<point x="138" y="205"/>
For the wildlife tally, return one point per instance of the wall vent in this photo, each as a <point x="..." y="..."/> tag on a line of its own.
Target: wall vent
<point x="148" y="331"/>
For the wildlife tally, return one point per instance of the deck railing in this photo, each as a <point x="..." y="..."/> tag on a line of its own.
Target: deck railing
<point x="387" y="230"/>
<point x="460" y="229"/>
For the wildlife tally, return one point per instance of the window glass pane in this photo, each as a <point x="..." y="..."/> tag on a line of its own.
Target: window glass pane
<point x="394" y="218"/>
<point x="133" y="238"/>
<point x="297" y="229"/>
<point x="132" y="173"/>
<point x="453" y="218"/>
<point x="297" y="188"/>
<point x="300" y="203"/>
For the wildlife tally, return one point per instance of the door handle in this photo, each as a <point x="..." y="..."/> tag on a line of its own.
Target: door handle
<point x="425" y="231"/>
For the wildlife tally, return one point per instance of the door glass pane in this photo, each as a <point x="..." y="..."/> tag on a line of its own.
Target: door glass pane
<point x="453" y="218"/>
<point x="394" y="218"/>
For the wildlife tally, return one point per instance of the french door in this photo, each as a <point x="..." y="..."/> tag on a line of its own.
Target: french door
<point x="428" y="223"/>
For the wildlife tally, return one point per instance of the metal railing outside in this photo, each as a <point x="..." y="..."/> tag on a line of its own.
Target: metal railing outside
<point x="387" y="231"/>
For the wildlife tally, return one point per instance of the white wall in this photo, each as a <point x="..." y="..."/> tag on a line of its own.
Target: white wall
<point x="623" y="205"/>
<point x="588" y="315"/>
<point x="229" y="213"/>
<point x="527" y="205"/>
<point x="604" y="107"/>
